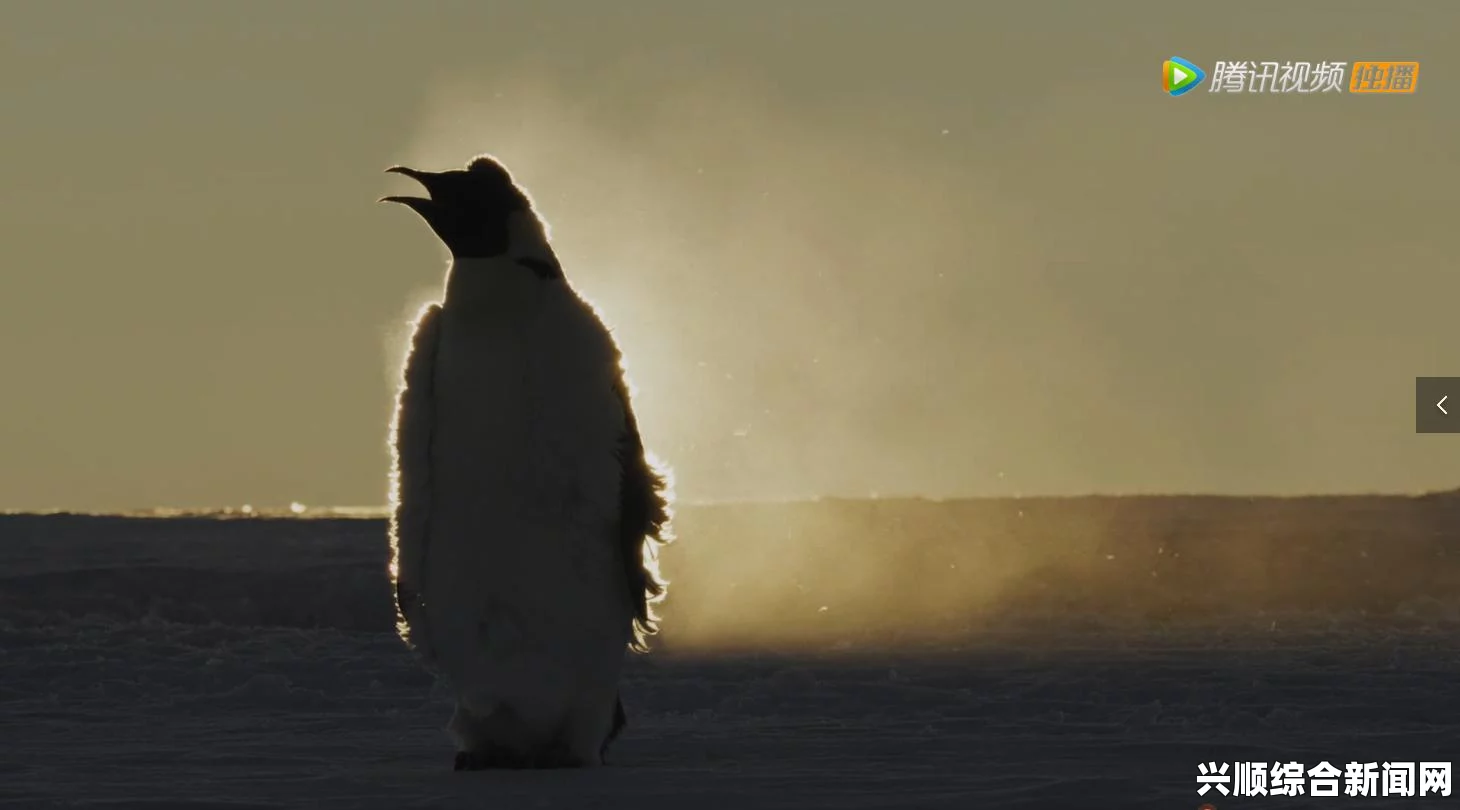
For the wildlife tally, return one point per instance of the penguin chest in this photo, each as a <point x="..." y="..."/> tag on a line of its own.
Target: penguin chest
<point x="526" y="424"/>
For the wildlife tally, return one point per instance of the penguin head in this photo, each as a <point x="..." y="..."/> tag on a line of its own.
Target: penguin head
<point x="470" y="209"/>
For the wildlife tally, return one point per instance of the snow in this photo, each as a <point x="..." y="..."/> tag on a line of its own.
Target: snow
<point x="198" y="661"/>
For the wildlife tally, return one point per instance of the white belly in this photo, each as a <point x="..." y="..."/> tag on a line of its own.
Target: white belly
<point x="522" y="582"/>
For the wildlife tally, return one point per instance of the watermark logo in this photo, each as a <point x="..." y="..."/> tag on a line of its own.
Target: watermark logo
<point x="1179" y="76"/>
<point x="1278" y="77"/>
<point x="1324" y="779"/>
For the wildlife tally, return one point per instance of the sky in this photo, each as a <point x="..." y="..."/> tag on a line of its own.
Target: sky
<point x="849" y="248"/>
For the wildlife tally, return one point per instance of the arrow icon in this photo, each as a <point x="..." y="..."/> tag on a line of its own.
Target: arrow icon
<point x="1441" y="404"/>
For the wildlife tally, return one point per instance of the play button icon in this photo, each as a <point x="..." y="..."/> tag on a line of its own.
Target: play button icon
<point x="1178" y="76"/>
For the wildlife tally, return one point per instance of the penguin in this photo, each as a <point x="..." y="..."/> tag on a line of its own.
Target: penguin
<point x="526" y="513"/>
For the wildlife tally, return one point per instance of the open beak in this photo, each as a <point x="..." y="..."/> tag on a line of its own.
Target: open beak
<point x="437" y="216"/>
<point x="424" y="178"/>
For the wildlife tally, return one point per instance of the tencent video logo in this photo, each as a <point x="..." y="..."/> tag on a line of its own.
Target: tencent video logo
<point x="1178" y="76"/>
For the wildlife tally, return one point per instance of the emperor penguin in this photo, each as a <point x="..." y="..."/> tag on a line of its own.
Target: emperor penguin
<point x="526" y="513"/>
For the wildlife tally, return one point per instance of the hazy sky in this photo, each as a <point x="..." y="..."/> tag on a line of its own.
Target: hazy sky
<point x="900" y="247"/>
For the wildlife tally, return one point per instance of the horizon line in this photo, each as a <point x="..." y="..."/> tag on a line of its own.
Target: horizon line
<point x="299" y="510"/>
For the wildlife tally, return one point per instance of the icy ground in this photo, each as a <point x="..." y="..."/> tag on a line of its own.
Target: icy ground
<point x="250" y="663"/>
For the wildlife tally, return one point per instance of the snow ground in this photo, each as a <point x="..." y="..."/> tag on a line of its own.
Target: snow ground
<point x="191" y="662"/>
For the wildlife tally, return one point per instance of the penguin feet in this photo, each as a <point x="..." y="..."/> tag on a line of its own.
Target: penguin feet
<point x="502" y="758"/>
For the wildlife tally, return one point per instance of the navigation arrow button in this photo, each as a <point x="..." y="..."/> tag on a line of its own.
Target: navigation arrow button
<point x="1432" y="404"/>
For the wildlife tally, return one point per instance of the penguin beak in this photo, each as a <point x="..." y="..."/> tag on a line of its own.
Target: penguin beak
<point x="418" y="204"/>
<point x="437" y="216"/>
<point x="423" y="207"/>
